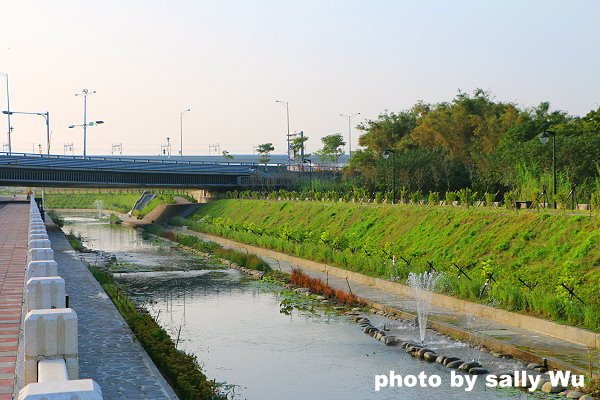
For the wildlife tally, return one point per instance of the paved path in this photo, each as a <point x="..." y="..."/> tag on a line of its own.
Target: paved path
<point x="108" y="350"/>
<point x="569" y="353"/>
<point x="14" y="227"/>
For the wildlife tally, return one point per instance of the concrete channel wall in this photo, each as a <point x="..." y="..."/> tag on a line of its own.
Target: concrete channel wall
<point x="50" y="336"/>
<point x="564" y="332"/>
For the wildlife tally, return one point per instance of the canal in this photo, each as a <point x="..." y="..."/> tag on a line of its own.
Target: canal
<point x="234" y="326"/>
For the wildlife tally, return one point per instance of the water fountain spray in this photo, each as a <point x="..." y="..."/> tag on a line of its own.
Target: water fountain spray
<point x="423" y="285"/>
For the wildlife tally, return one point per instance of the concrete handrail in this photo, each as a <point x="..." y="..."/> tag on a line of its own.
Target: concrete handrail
<point x="50" y="330"/>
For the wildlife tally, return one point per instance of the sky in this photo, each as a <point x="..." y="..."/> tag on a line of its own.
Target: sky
<point x="228" y="61"/>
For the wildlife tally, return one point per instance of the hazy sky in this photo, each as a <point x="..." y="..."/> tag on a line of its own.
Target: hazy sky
<point x="230" y="60"/>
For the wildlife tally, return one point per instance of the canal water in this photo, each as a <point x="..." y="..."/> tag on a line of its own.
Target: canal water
<point x="235" y="328"/>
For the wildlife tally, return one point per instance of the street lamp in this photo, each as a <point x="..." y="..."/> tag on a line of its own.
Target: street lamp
<point x="46" y="116"/>
<point x="85" y="93"/>
<point x="181" y="131"/>
<point x="386" y="155"/>
<point x="287" y="112"/>
<point x="5" y="75"/>
<point x="349" y="130"/>
<point x="544" y="137"/>
<point x="91" y="123"/>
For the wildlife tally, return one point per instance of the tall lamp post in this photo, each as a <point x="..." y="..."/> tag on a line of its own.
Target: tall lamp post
<point x="91" y="123"/>
<point x="181" y="131"/>
<point x="46" y="116"/>
<point x="287" y="112"/>
<point x="349" y="129"/>
<point x="5" y="75"/>
<point x="84" y="93"/>
<point x="386" y="155"/>
<point x="544" y="137"/>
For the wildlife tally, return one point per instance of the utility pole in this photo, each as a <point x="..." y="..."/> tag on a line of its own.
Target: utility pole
<point x="349" y="130"/>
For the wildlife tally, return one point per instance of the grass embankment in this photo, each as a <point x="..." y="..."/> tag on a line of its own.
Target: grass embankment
<point x="179" y="368"/>
<point x="533" y="256"/>
<point x="115" y="201"/>
<point x="242" y="259"/>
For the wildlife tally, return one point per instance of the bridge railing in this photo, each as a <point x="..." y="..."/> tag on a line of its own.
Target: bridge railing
<point x="50" y="327"/>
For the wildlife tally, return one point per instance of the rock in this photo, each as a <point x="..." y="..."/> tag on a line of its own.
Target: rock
<point x="356" y="309"/>
<point x="324" y="301"/>
<point x="440" y="359"/>
<point x="478" y="371"/>
<point x="548" y="388"/>
<point x="507" y="356"/>
<point x="497" y="355"/>
<point x="390" y="340"/>
<point x="587" y="397"/>
<point x="379" y="335"/>
<point x="320" y="298"/>
<point x="574" y="395"/>
<point x="532" y="365"/>
<point x="455" y="364"/>
<point x="429" y="356"/>
<point x="484" y="349"/>
<point x="450" y="359"/>
<point x="423" y="351"/>
<point x="338" y="308"/>
<point x="468" y="365"/>
<point x="541" y="369"/>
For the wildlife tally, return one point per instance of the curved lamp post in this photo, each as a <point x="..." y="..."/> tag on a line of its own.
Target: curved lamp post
<point x="349" y="129"/>
<point x="46" y="116"/>
<point x="181" y="131"/>
<point x="544" y="137"/>
<point x="386" y="155"/>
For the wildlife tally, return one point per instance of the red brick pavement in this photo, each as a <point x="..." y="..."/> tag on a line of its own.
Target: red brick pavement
<point x="14" y="226"/>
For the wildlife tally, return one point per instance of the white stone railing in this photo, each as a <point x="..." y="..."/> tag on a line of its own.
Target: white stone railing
<point x="50" y="329"/>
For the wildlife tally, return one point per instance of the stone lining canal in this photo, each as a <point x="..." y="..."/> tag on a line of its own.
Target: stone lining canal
<point x="234" y="326"/>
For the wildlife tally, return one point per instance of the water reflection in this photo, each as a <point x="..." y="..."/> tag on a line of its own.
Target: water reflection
<point x="235" y="328"/>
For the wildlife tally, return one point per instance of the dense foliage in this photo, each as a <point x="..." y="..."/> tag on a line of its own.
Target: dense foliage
<point x="533" y="255"/>
<point x="475" y="141"/>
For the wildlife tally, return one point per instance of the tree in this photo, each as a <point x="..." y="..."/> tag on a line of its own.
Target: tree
<point x="227" y="155"/>
<point x="332" y="148"/>
<point x="265" y="150"/>
<point x="297" y="145"/>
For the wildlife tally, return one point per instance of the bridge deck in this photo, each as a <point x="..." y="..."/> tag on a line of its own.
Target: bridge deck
<point x="14" y="224"/>
<point x="65" y="171"/>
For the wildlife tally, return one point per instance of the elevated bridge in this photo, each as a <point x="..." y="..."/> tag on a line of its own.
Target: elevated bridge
<point x="23" y="169"/>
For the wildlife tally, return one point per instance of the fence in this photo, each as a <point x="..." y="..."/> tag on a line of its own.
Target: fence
<point x="50" y="327"/>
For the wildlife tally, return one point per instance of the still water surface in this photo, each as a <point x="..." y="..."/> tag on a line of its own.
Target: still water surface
<point x="235" y="328"/>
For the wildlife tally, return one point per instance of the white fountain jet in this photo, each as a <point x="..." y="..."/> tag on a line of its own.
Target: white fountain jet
<point x="423" y="285"/>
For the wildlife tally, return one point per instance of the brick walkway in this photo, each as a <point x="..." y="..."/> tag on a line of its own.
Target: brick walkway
<point x="14" y="226"/>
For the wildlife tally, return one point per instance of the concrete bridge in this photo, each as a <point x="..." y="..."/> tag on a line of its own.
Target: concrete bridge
<point x="22" y="169"/>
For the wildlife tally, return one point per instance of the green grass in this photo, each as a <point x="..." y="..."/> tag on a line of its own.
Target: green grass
<point x="179" y="368"/>
<point x="241" y="258"/>
<point x="115" y="201"/>
<point x="542" y="249"/>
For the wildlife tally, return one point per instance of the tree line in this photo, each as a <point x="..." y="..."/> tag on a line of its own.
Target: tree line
<point x="475" y="141"/>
